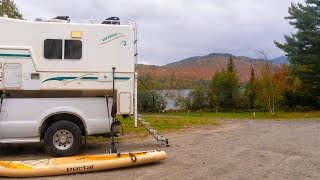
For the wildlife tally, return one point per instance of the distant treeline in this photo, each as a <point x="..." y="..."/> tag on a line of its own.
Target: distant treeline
<point x="269" y="91"/>
<point x="172" y="82"/>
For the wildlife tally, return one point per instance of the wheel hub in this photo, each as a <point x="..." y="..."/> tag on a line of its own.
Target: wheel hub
<point x="63" y="139"/>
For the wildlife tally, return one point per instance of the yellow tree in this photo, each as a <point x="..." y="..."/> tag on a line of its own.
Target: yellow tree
<point x="268" y="90"/>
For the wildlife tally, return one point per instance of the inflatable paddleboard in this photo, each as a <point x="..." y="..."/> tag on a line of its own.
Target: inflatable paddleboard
<point x="77" y="164"/>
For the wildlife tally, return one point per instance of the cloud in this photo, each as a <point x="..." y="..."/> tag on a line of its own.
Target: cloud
<point x="170" y="30"/>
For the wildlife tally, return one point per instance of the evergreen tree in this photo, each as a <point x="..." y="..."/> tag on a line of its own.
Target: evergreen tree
<point x="224" y="88"/>
<point x="250" y="90"/>
<point x="231" y="67"/>
<point x="9" y="8"/>
<point x="303" y="47"/>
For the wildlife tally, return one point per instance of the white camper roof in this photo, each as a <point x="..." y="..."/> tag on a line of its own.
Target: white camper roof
<point x="75" y="21"/>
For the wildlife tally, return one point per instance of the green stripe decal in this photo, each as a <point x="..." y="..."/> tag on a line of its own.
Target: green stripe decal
<point x="83" y="78"/>
<point x="89" y="78"/>
<point x="69" y="78"/>
<point x="15" y="55"/>
<point x="121" y="78"/>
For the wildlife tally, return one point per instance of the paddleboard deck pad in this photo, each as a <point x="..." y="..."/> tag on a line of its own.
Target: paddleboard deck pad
<point x="77" y="164"/>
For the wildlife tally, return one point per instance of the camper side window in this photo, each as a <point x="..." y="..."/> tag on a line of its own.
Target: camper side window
<point x="62" y="49"/>
<point x="53" y="49"/>
<point x="72" y="49"/>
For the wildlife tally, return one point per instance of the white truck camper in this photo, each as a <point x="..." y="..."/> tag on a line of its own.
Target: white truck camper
<point x="62" y="81"/>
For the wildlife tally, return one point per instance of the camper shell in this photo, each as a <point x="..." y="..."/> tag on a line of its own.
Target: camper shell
<point x="56" y="70"/>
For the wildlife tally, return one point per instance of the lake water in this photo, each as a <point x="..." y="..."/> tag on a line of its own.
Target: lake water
<point x="169" y="93"/>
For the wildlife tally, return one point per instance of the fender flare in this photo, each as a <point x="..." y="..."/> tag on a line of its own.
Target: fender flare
<point x="62" y="110"/>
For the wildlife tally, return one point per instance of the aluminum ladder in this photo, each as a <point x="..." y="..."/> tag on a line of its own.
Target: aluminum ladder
<point x="153" y="132"/>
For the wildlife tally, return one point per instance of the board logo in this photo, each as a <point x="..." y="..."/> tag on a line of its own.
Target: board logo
<point x="111" y="37"/>
<point x="79" y="168"/>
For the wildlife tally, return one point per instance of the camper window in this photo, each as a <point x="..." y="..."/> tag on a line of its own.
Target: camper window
<point x="53" y="49"/>
<point x="62" y="49"/>
<point x="72" y="49"/>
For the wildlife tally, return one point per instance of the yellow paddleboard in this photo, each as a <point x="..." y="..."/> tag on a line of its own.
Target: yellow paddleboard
<point x="77" y="164"/>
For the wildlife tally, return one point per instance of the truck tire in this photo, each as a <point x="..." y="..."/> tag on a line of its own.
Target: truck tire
<point x="63" y="138"/>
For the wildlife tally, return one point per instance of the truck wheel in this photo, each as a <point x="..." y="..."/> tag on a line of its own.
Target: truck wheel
<point x="63" y="138"/>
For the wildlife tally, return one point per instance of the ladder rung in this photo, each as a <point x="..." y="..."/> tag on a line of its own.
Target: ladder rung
<point x="153" y="131"/>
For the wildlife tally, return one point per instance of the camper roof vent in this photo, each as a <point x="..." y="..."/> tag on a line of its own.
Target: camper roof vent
<point x="112" y="20"/>
<point x="40" y="19"/>
<point x="64" y="19"/>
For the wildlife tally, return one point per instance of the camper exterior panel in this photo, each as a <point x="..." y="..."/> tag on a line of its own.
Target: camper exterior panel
<point x="103" y="47"/>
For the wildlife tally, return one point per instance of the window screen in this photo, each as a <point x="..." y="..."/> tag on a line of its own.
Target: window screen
<point x="53" y="49"/>
<point x="73" y="49"/>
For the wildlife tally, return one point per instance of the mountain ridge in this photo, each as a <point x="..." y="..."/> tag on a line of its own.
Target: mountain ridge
<point x="191" y="71"/>
<point x="277" y="60"/>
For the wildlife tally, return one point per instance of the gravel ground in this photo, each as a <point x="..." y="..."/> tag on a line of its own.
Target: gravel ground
<point x="238" y="149"/>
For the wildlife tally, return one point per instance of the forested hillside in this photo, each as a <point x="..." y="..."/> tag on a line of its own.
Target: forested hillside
<point x="196" y="71"/>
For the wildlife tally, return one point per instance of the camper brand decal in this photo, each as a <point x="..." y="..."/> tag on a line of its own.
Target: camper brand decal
<point x="111" y="37"/>
<point x="79" y="168"/>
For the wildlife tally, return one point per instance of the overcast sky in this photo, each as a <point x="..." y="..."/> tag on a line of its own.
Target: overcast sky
<point x="171" y="30"/>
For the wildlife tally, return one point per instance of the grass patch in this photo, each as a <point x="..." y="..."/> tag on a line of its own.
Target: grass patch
<point x="161" y="123"/>
<point x="249" y="115"/>
<point x="165" y="123"/>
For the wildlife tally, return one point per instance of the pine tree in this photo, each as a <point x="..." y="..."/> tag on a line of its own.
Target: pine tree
<point x="224" y="88"/>
<point x="231" y="67"/>
<point x="10" y="9"/>
<point x="303" y="47"/>
<point x="251" y="90"/>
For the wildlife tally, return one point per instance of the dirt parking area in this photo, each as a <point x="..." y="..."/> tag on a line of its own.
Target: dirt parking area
<point x="240" y="149"/>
